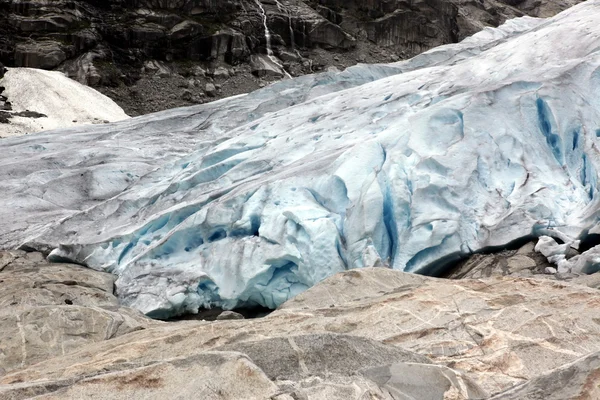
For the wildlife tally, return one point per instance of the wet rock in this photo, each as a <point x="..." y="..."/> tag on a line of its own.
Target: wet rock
<point x="288" y="56"/>
<point x="185" y="29"/>
<point x="42" y="54"/>
<point x="85" y="68"/>
<point x="262" y="66"/>
<point x="317" y="365"/>
<point x="225" y="45"/>
<point x="496" y="329"/>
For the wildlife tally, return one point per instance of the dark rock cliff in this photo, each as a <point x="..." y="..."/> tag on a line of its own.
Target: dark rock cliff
<point x="154" y="54"/>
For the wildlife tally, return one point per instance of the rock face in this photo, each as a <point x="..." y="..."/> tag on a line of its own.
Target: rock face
<point x="108" y="43"/>
<point x="51" y="309"/>
<point x="372" y="331"/>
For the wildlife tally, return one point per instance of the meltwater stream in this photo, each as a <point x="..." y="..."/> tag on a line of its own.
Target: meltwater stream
<point x="283" y="8"/>
<point x="273" y="59"/>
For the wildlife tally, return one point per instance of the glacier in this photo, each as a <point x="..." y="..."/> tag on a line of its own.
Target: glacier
<point x="253" y="199"/>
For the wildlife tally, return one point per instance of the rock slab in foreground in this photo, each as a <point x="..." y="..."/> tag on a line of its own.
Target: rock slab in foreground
<point x="48" y="310"/>
<point x="359" y="331"/>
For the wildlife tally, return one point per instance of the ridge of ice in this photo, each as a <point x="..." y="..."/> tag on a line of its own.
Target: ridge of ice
<point x="464" y="148"/>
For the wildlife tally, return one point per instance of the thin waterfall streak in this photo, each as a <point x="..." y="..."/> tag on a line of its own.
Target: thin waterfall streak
<point x="268" y="39"/>
<point x="285" y="9"/>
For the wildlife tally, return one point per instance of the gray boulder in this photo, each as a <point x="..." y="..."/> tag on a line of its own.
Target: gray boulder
<point x="229" y="315"/>
<point x="579" y="380"/>
<point x="210" y="89"/>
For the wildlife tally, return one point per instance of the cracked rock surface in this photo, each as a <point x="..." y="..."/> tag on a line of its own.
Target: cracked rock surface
<point x="372" y="330"/>
<point x="48" y="310"/>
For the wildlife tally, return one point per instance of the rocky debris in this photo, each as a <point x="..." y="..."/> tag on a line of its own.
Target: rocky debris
<point x="527" y="261"/>
<point x="6" y="116"/>
<point x="187" y="95"/>
<point x="157" y="68"/>
<point x="523" y="262"/>
<point x="542" y="9"/>
<point x="116" y="45"/>
<point x="4" y="103"/>
<point x="51" y="309"/>
<point x="29" y="114"/>
<point x="482" y="335"/>
<point x="221" y="73"/>
<point x="578" y="380"/>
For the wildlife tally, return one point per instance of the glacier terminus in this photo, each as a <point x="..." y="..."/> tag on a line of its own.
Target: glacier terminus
<point x="253" y="199"/>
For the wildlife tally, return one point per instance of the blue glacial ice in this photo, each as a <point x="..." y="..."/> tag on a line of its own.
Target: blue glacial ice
<point x="251" y="200"/>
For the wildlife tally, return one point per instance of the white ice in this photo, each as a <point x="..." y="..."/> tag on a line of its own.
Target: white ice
<point x="587" y="262"/>
<point x="253" y="199"/>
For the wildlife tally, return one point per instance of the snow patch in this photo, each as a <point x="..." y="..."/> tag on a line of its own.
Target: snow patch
<point x="63" y="101"/>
